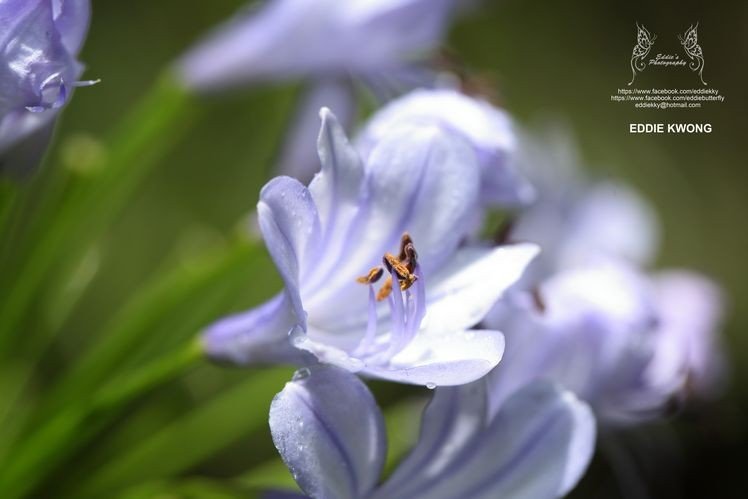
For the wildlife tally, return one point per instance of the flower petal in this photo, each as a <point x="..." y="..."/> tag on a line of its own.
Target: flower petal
<point x="313" y="37"/>
<point x="299" y="157"/>
<point x="72" y="18"/>
<point x="537" y="446"/>
<point x="329" y="432"/>
<point x="487" y="129"/>
<point x="336" y="189"/>
<point x="691" y="309"/>
<point x="465" y="289"/>
<point x="449" y="423"/>
<point x="259" y="335"/>
<point x="291" y="229"/>
<point x="443" y="359"/>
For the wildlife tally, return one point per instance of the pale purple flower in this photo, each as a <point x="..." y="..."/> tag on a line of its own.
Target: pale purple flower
<point x="489" y="131"/>
<point x="588" y="316"/>
<point x="40" y="41"/>
<point x="312" y="38"/>
<point x="330" y="433"/>
<point x="417" y="179"/>
<point x="575" y="219"/>
<point x="625" y="342"/>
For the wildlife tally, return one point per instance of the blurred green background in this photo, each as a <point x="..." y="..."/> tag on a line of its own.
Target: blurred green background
<point x="183" y="235"/>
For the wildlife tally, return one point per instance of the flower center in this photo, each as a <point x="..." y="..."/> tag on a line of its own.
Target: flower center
<point x="407" y="303"/>
<point x="402" y="266"/>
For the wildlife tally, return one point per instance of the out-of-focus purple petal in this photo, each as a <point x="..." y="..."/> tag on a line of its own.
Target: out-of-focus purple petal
<point x="72" y="18"/>
<point x="291" y="229"/>
<point x="466" y="288"/>
<point x="299" y="154"/>
<point x="259" y="335"/>
<point x="537" y="446"/>
<point x="450" y="422"/>
<point x="598" y="335"/>
<point x="329" y="432"/>
<point x="691" y="310"/>
<point x="38" y="70"/>
<point x="487" y="129"/>
<point x="454" y="358"/>
<point x="575" y="220"/>
<point x="315" y="37"/>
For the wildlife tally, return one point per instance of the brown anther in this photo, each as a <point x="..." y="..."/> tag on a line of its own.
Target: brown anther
<point x="385" y="290"/>
<point x="372" y="276"/>
<point x="402" y="268"/>
<point x="408" y="255"/>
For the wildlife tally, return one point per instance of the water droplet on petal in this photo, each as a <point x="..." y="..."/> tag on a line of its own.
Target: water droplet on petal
<point x="296" y="335"/>
<point x="301" y="374"/>
<point x="430" y="385"/>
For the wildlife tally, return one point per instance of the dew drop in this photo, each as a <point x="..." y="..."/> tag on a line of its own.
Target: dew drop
<point x="430" y="385"/>
<point x="296" y="335"/>
<point x="301" y="374"/>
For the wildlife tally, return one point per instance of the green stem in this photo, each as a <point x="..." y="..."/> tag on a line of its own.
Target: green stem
<point x="89" y="205"/>
<point x="76" y="425"/>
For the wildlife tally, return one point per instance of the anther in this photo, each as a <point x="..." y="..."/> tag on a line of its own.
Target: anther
<point x="372" y="276"/>
<point x="385" y="290"/>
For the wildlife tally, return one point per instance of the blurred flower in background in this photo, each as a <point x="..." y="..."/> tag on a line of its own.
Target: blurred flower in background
<point x="417" y="179"/>
<point x="329" y="431"/>
<point x="588" y="315"/>
<point x="40" y="41"/>
<point x="333" y="45"/>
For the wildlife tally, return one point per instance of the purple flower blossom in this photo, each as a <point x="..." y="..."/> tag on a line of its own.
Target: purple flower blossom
<point x="330" y="433"/>
<point x="313" y="38"/>
<point x="40" y="42"/>
<point x="418" y="180"/>
<point x="488" y="130"/>
<point x="587" y="316"/>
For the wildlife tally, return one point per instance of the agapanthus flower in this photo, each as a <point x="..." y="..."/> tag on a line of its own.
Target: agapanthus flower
<point x="376" y="279"/>
<point x="312" y="38"/>
<point x="587" y="313"/>
<point x="40" y="42"/>
<point x="489" y="131"/>
<point x="612" y="335"/>
<point x="330" y="433"/>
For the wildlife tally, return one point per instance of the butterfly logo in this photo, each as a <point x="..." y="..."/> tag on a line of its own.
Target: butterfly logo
<point x="690" y="42"/>
<point x="644" y="42"/>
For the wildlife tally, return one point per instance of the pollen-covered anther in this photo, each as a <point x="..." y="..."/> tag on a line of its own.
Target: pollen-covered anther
<point x="385" y="290"/>
<point x="372" y="276"/>
<point x="402" y="267"/>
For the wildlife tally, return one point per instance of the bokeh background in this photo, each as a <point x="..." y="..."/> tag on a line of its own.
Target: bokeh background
<point x="551" y="62"/>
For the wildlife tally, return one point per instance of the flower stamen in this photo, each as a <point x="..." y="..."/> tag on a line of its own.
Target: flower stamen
<point x="402" y="267"/>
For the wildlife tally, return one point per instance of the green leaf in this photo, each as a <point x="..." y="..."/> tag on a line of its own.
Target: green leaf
<point x="192" y="438"/>
<point x="66" y="228"/>
<point x="74" y="426"/>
